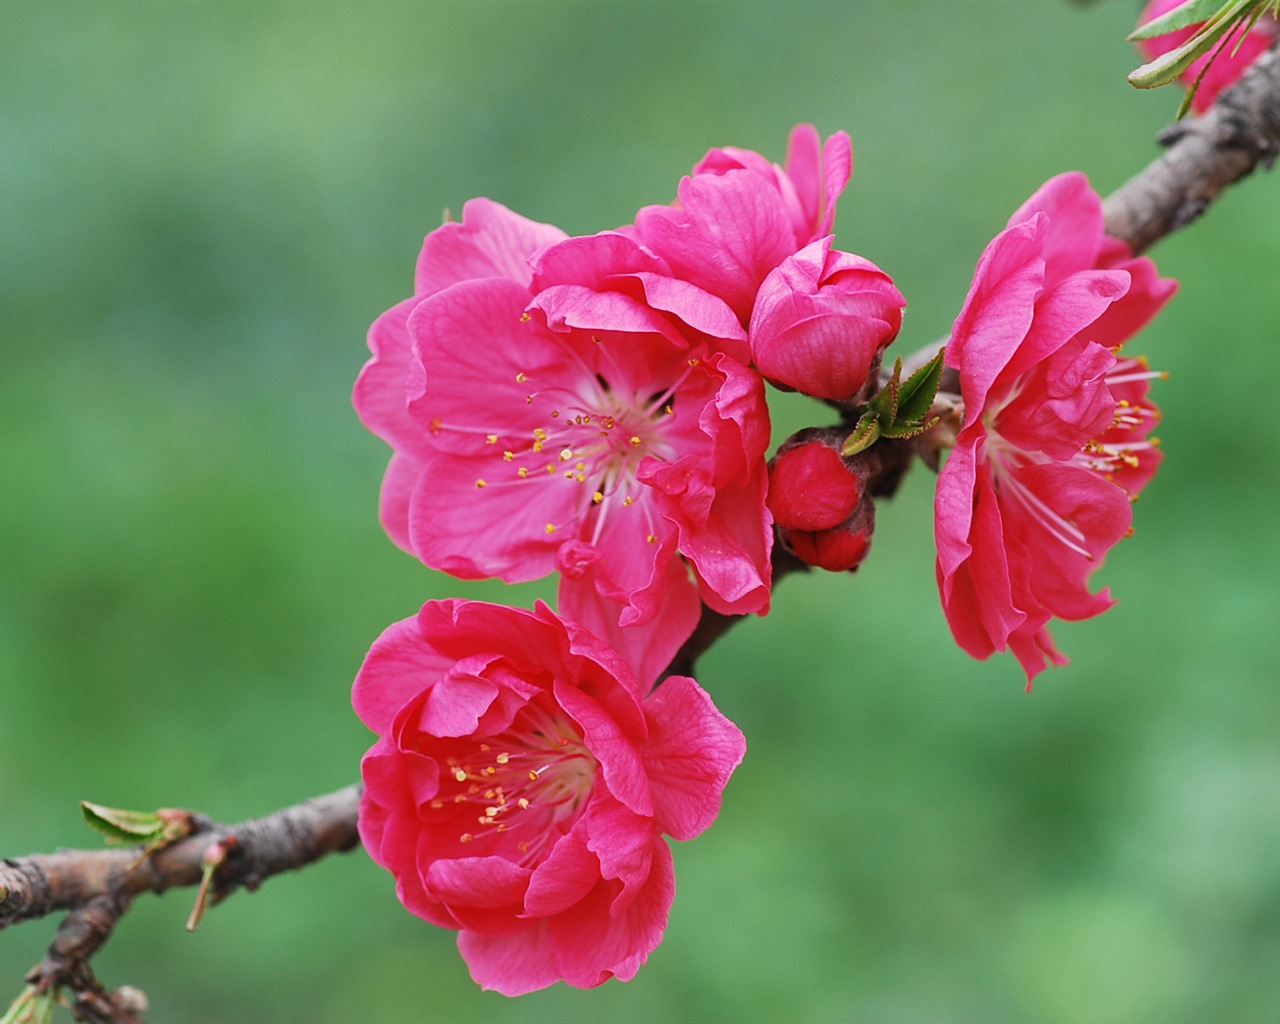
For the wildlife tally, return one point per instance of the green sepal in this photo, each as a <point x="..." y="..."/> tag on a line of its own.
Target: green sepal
<point x="864" y="435"/>
<point x="916" y="395"/>
<point x="912" y="429"/>
<point x="154" y="828"/>
<point x="1192" y="12"/>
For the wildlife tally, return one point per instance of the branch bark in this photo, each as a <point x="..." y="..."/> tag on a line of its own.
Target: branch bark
<point x="1206" y="154"/>
<point x="97" y="886"/>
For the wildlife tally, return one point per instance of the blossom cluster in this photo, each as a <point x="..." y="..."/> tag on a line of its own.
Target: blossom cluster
<point x="594" y="407"/>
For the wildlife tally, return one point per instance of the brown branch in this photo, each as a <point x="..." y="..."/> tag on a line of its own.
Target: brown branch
<point x="1206" y="154"/>
<point x="97" y="886"/>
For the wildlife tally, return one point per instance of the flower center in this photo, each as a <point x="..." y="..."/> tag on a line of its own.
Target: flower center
<point x="592" y="434"/>
<point x="529" y="783"/>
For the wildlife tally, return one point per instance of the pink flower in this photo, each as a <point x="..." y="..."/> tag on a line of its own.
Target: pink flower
<point x="821" y="320"/>
<point x="491" y="241"/>
<point x="582" y="417"/>
<point x="1229" y="64"/>
<point x="521" y="785"/>
<point x="739" y="215"/>
<point x="1054" y="441"/>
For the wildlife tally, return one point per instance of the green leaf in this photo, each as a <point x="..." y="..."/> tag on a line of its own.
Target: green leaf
<point x="916" y="395"/>
<point x="154" y="828"/>
<point x="1168" y="66"/>
<point x="122" y="826"/>
<point x="1190" y="13"/>
<point x="885" y="404"/>
<point x="911" y="428"/>
<point x="864" y="435"/>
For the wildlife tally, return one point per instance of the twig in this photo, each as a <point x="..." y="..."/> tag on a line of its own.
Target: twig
<point x="1205" y="155"/>
<point x="97" y="886"/>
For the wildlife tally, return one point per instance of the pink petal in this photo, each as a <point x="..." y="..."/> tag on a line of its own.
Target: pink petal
<point x="399" y="666"/>
<point x="491" y="241"/>
<point x="511" y="964"/>
<point x="692" y="751"/>
<point x="616" y="752"/>
<point x="593" y="942"/>
<point x="997" y="312"/>
<point x="565" y="877"/>
<point x="380" y="396"/>
<point x="1075" y="224"/>
<point x="398" y="483"/>
<point x="647" y="648"/>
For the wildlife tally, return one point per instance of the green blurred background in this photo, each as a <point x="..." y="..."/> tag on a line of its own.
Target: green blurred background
<point x="203" y="206"/>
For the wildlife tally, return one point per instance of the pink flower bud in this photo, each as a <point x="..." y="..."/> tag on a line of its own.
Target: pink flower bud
<point x="811" y="488"/>
<point x="840" y="549"/>
<point x="821" y="320"/>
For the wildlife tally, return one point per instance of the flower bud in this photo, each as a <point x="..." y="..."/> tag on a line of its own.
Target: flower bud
<point x="821" y="320"/>
<point x="840" y="549"/>
<point x="811" y="487"/>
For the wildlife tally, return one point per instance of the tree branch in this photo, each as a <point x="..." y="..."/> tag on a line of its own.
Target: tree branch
<point x="1206" y="154"/>
<point x="97" y="886"/>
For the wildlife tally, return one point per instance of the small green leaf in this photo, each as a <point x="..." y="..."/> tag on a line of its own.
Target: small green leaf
<point x="154" y="828"/>
<point x="31" y="1007"/>
<point x="885" y="404"/>
<point x="864" y="435"/>
<point x="122" y="826"/>
<point x="1168" y="66"/>
<point x="911" y="428"/>
<point x="1190" y="13"/>
<point x="916" y="395"/>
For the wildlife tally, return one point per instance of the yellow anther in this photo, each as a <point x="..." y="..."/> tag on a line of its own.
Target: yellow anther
<point x="628" y="500"/>
<point x="551" y="468"/>
<point x="635" y="441"/>
<point x="491" y="812"/>
<point x="490" y="438"/>
<point x="525" y="318"/>
<point x="533" y="776"/>
<point x="652" y="539"/>
<point x="508" y="456"/>
<point x="579" y="466"/>
<point x="694" y="362"/>
<point x="503" y="758"/>
<point x="550" y="527"/>
<point x="524" y="804"/>
<point x="521" y="378"/>
<point x="668" y="409"/>
<point x="537" y="446"/>
<point x="481" y="483"/>
<point x="580" y="477"/>
<point x="522" y="472"/>
<point x="539" y="434"/>
<point x="598" y="497"/>
<point x="491" y="770"/>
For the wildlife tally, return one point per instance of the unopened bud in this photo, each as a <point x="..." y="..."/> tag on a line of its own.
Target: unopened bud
<point x="821" y="321"/>
<point x="839" y="549"/>
<point x="811" y="487"/>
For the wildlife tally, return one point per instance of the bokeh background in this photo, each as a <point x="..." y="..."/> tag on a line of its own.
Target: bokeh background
<point x="202" y="207"/>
